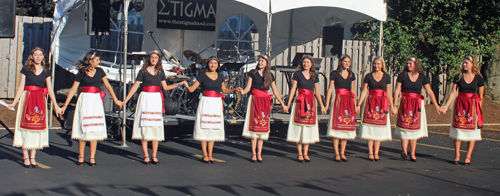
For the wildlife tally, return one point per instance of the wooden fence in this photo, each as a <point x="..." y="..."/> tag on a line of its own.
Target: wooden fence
<point x="359" y="51"/>
<point x="30" y="32"/>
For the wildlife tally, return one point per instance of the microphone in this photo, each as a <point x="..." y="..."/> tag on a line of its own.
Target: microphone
<point x="150" y="32"/>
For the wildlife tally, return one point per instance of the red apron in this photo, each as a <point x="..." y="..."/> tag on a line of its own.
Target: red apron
<point x="376" y="108"/>
<point x="344" y="114"/>
<point x="155" y="89"/>
<point x="260" y="109"/>
<point x="467" y="113"/>
<point x="305" y="108"/>
<point x="409" y="111"/>
<point x="34" y="111"/>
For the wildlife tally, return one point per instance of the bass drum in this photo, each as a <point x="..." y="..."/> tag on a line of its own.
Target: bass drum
<point x="171" y="106"/>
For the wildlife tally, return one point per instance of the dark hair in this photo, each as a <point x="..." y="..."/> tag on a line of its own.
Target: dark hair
<point x="147" y="62"/>
<point x="29" y="65"/>
<point x="268" y="77"/>
<point x="341" y="68"/>
<point x="83" y="65"/>
<point x="208" y="62"/>
<point x="312" y="71"/>
<point x="418" y="66"/>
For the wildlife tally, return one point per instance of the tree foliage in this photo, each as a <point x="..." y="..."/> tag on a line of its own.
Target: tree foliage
<point x="40" y="8"/>
<point x="439" y="32"/>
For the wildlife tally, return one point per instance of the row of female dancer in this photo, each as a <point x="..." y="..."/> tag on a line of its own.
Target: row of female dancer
<point x="31" y="131"/>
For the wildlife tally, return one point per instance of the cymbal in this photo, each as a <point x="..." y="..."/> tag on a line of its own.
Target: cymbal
<point x="189" y="54"/>
<point x="202" y="60"/>
<point x="228" y="58"/>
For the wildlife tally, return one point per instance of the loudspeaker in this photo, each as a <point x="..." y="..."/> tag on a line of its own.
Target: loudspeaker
<point x="332" y="41"/>
<point x="7" y="18"/>
<point x="97" y="16"/>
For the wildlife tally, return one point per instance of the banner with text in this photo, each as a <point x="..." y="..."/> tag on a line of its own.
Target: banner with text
<point x="186" y="14"/>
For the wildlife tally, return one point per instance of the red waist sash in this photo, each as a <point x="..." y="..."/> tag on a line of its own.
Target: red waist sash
<point x="213" y="94"/>
<point x="93" y="89"/>
<point x="34" y="111"/>
<point x="467" y="112"/>
<point x="155" y="89"/>
<point x="344" y="114"/>
<point x="305" y="108"/>
<point x="409" y="111"/>
<point x="260" y="110"/>
<point x="376" y="108"/>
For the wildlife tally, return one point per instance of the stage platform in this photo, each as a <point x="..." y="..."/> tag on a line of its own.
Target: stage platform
<point x="179" y="119"/>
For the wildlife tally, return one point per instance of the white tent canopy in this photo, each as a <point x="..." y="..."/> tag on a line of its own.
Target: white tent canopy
<point x="307" y="20"/>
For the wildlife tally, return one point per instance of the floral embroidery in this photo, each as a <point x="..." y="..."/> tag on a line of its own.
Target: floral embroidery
<point x="346" y="118"/>
<point x="36" y="116"/>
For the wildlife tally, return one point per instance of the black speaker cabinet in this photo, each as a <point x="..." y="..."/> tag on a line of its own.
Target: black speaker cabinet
<point x="7" y="18"/>
<point x="97" y="16"/>
<point x="332" y="41"/>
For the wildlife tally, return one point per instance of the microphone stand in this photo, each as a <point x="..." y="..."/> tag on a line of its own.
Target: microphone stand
<point x="211" y="46"/>
<point x="161" y="51"/>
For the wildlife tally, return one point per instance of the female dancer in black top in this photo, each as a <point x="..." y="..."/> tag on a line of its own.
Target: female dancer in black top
<point x="412" y="122"/>
<point x="343" y="115"/>
<point x="467" y="117"/>
<point x="209" y="124"/>
<point x="259" y="106"/>
<point x="303" y="126"/>
<point x="148" y="125"/>
<point x="31" y="132"/>
<point x="89" y="123"/>
<point x="375" y="125"/>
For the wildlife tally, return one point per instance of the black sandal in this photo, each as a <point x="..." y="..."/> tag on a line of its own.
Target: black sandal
<point x="92" y="164"/>
<point x="146" y="162"/>
<point x="33" y="165"/>
<point x="80" y="163"/>
<point x="299" y="159"/>
<point x="27" y="166"/>
<point x="259" y="160"/>
<point x="337" y="160"/>
<point x="343" y="159"/>
<point x="155" y="162"/>
<point x="308" y="160"/>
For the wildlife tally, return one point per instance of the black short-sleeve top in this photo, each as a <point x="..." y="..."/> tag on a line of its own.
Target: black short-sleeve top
<point x="258" y="80"/>
<point x="341" y="82"/>
<point x="380" y="85"/>
<point x="407" y="86"/>
<point x="304" y="83"/>
<point x="463" y="87"/>
<point x="208" y="84"/>
<point x="149" y="80"/>
<point x="36" y="80"/>
<point x="86" y="80"/>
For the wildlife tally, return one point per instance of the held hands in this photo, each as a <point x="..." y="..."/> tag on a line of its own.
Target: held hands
<point x="59" y="111"/>
<point x="444" y="109"/>
<point x="184" y="83"/>
<point x="438" y="109"/>
<point x="119" y="103"/>
<point x="285" y="108"/>
<point x="11" y="106"/>
<point x="239" y="89"/>
<point x="323" y="110"/>
<point x="357" y="109"/>
<point x="394" y="110"/>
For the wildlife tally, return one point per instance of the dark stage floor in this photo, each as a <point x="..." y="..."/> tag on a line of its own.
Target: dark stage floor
<point x="119" y="170"/>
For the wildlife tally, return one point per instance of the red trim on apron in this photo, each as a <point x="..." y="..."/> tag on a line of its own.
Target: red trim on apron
<point x="34" y="111"/>
<point x="344" y="114"/>
<point x="376" y="108"/>
<point x="260" y="110"/>
<point x="305" y="108"/>
<point x="155" y="89"/>
<point x="467" y="112"/>
<point x="409" y="115"/>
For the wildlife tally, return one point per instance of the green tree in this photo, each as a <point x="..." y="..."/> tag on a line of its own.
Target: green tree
<point x="439" y="32"/>
<point x="40" y="8"/>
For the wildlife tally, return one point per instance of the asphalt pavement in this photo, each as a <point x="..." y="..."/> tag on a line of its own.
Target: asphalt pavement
<point x="119" y="170"/>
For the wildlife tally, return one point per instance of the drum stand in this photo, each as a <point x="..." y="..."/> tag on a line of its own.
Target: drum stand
<point x="6" y="128"/>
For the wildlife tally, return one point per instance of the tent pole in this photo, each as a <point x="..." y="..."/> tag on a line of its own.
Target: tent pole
<point x="381" y="33"/>
<point x="125" y="34"/>
<point x="53" y="87"/>
<point x="290" y="33"/>
<point x="268" y="33"/>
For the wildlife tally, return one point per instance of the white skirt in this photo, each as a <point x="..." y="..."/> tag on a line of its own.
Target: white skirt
<point x="338" y="134"/>
<point x="376" y="133"/>
<point x="77" y="131"/>
<point x="248" y="134"/>
<point x="147" y="133"/>
<point x="302" y="134"/>
<point x="417" y="134"/>
<point x="26" y="139"/>
<point x="200" y="134"/>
